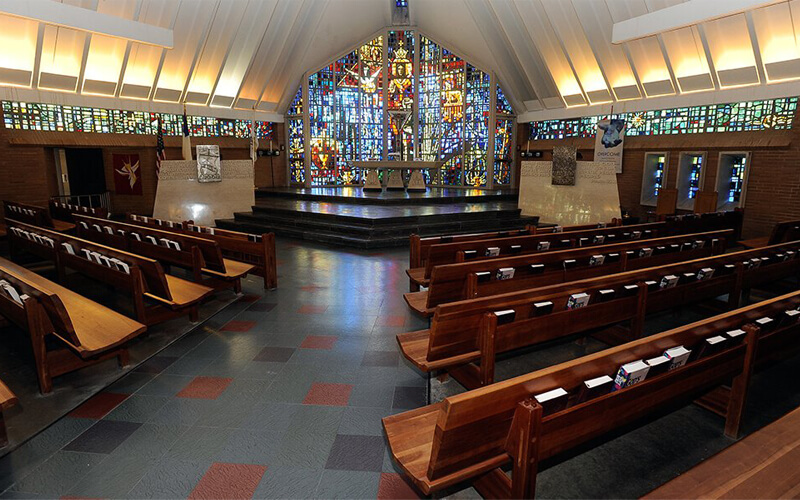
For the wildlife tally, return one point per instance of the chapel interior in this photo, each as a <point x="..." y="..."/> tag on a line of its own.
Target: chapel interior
<point x="399" y="249"/>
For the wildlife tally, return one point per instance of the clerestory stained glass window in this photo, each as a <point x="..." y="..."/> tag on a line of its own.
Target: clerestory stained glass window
<point x="402" y="96"/>
<point x="20" y="115"/>
<point x="731" y="117"/>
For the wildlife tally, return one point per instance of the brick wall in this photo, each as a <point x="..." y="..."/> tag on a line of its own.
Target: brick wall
<point x="773" y="188"/>
<point x="28" y="169"/>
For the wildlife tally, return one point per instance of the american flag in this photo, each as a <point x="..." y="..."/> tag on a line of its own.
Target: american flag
<point x="160" y="153"/>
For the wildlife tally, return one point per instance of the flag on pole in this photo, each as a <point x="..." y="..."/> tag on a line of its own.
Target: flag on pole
<point x="253" y="140"/>
<point x="186" y="145"/>
<point x="160" y="152"/>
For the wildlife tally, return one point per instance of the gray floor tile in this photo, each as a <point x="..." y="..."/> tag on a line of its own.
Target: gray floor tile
<point x="57" y="475"/>
<point x="287" y="482"/>
<point x="348" y="484"/>
<point x="137" y="408"/>
<point x="170" y="478"/>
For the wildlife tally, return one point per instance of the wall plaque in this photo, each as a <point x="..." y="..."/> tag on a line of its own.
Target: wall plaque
<point x="209" y="168"/>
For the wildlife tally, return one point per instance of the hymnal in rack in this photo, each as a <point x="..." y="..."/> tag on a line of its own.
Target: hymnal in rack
<point x="612" y="257"/>
<point x="515" y="249"/>
<point x="484" y="276"/>
<point x="658" y="365"/>
<point x="542" y="308"/>
<point x="605" y="295"/>
<point x="766" y="324"/>
<point x="677" y="356"/>
<point x="537" y="268"/>
<point x="736" y="335"/>
<point x="645" y="252"/>
<point x="630" y="374"/>
<point x="789" y="317"/>
<point x="705" y="273"/>
<point x="577" y="300"/>
<point x="668" y="281"/>
<point x="505" y="273"/>
<point x="597" y="260"/>
<point x="505" y="316"/>
<point x="552" y="401"/>
<point x="470" y="254"/>
<point x="711" y="346"/>
<point x="492" y="252"/>
<point x="543" y="245"/>
<point x="595" y="387"/>
<point x="569" y="263"/>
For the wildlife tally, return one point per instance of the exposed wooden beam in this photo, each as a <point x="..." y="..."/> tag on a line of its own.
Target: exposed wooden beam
<point x="681" y="15"/>
<point x="77" y="18"/>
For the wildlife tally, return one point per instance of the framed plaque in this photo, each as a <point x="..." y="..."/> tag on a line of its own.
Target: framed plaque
<point x="209" y="168"/>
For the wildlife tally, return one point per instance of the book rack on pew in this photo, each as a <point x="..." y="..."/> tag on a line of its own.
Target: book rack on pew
<point x="447" y="251"/>
<point x="202" y="256"/>
<point x="257" y="250"/>
<point x="65" y="211"/>
<point x="471" y="436"/>
<point x="156" y="296"/>
<point x="38" y="216"/>
<point x="464" y="332"/>
<point x="418" y="246"/>
<point x="479" y="278"/>
<point x="67" y="331"/>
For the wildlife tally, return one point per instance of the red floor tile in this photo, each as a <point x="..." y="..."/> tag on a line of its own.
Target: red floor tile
<point x="391" y="321"/>
<point x="99" y="406"/>
<point x="319" y="342"/>
<point x="250" y="297"/>
<point x="394" y="487"/>
<point x="312" y="288"/>
<point x="312" y="309"/>
<point x="205" y="388"/>
<point x="328" y="394"/>
<point x="224" y="480"/>
<point x="238" y="326"/>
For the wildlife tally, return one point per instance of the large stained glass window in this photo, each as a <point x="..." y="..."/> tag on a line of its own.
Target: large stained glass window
<point x="57" y="118"/>
<point x="402" y="96"/>
<point x="731" y="117"/>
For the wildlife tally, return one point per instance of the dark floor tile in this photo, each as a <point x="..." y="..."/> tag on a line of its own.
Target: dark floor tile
<point x="380" y="358"/>
<point x="275" y="354"/>
<point x="99" y="405"/>
<point x="262" y="307"/>
<point x="103" y="437"/>
<point x="356" y="453"/>
<point x="238" y="326"/>
<point x="156" y="364"/>
<point x="409" y="397"/>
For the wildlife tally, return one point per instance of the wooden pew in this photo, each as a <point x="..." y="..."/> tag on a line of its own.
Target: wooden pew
<point x="708" y="221"/>
<point x="64" y="211"/>
<point x="450" y="253"/>
<point x="83" y="332"/>
<point x="453" y="282"/>
<point x="471" y="436"/>
<point x="31" y="214"/>
<point x="463" y="333"/>
<point x="762" y="465"/>
<point x="156" y="296"/>
<point x="7" y="400"/>
<point x="257" y="250"/>
<point x="201" y="255"/>
<point x="418" y="246"/>
<point x="782" y="231"/>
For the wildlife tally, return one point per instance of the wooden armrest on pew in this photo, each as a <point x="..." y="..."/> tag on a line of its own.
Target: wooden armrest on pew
<point x="470" y="436"/>
<point x="7" y="400"/>
<point x="762" y="465"/>
<point x="88" y="331"/>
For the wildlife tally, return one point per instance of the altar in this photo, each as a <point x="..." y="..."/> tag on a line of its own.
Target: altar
<point x="372" y="181"/>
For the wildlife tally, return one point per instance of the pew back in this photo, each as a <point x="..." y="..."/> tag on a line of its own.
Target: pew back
<point x="64" y="211"/>
<point x="460" y="281"/>
<point x="469" y="434"/>
<point x="455" y="327"/>
<point x="31" y="214"/>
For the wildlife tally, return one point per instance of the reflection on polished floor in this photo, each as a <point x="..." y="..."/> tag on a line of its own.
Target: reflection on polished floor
<point x="281" y="396"/>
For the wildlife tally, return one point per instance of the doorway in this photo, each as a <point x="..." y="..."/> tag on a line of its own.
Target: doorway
<point x="85" y="170"/>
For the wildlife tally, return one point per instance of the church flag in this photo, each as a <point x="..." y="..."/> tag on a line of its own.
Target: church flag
<point x="160" y="151"/>
<point x="186" y="144"/>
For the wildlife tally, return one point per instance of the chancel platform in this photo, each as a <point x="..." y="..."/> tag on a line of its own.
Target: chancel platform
<point x="371" y="219"/>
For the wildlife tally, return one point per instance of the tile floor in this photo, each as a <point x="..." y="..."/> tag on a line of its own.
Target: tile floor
<point x="283" y="399"/>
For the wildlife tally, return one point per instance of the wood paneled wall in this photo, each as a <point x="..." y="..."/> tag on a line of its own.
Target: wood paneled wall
<point x="28" y="172"/>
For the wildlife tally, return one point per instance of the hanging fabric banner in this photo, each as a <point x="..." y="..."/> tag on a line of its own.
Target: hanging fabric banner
<point x="609" y="141"/>
<point x="127" y="175"/>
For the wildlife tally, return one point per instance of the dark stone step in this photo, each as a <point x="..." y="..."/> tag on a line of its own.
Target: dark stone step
<point x="359" y="197"/>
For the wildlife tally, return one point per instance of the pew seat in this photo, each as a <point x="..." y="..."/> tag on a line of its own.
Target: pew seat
<point x="7" y="400"/>
<point x="86" y="332"/>
<point x="411" y="440"/>
<point x="97" y="328"/>
<point x="233" y="270"/>
<point x="781" y="232"/>
<point x="762" y="465"/>
<point x="184" y="293"/>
